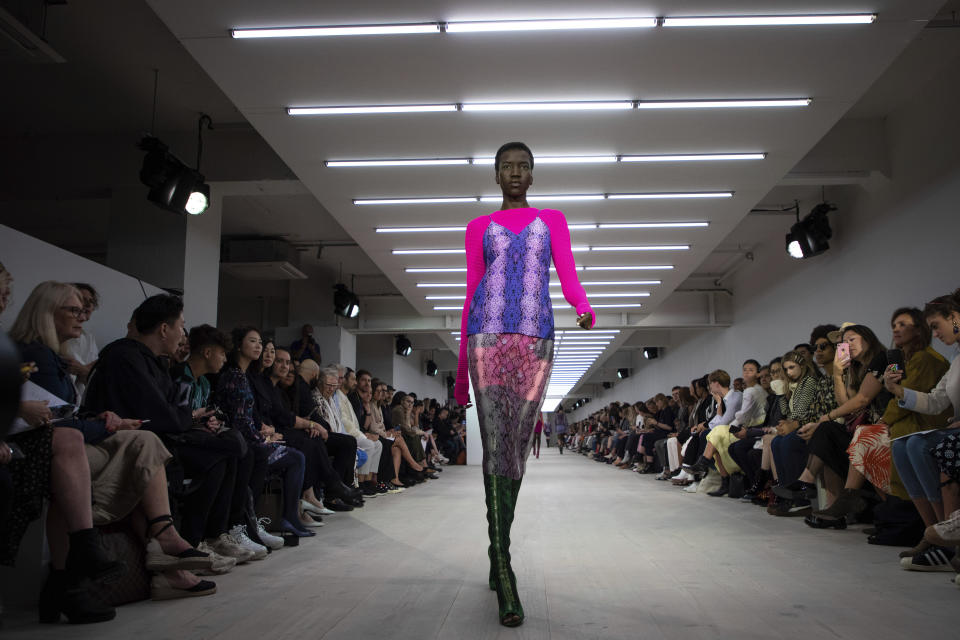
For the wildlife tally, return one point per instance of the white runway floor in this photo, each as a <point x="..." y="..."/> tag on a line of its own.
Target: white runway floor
<point x="599" y="553"/>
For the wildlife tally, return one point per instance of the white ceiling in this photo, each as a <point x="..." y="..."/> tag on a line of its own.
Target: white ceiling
<point x="832" y="65"/>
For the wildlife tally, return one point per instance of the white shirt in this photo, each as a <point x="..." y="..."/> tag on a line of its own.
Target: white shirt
<point x="753" y="410"/>
<point x="84" y="350"/>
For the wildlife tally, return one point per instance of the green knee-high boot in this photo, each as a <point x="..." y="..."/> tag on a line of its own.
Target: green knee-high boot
<point x="514" y="486"/>
<point x="501" y="502"/>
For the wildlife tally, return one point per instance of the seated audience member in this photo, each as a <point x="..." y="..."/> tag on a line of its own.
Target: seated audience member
<point x="53" y="466"/>
<point x="450" y="441"/>
<point x="805" y="350"/>
<point x="320" y="478"/>
<point x="132" y="378"/>
<point x="747" y="450"/>
<point x="870" y="449"/>
<point x="655" y="430"/>
<point x="81" y="353"/>
<point x="127" y="466"/>
<point x="331" y="417"/>
<point x="208" y="353"/>
<point x="926" y="462"/>
<point x="391" y="458"/>
<point x="402" y="419"/>
<point x="368" y="443"/>
<point x="689" y="402"/>
<point x="305" y="347"/>
<point x="341" y="447"/>
<point x="726" y="403"/>
<point x="751" y="414"/>
<point x="702" y="413"/>
<point x="234" y="395"/>
<point x="804" y="396"/>
<point x="859" y="392"/>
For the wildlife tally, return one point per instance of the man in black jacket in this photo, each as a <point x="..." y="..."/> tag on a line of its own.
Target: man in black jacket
<point x="132" y="378"/>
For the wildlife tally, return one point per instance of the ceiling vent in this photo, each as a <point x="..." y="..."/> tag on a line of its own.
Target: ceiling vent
<point x="260" y="259"/>
<point x="20" y="44"/>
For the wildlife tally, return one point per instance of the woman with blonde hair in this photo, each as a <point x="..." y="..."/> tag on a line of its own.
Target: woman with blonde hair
<point x="126" y="465"/>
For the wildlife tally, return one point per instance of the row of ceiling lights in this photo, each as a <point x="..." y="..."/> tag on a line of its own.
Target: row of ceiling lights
<point x="547" y="160"/>
<point x="568" y="197"/>
<point x="553" y="24"/>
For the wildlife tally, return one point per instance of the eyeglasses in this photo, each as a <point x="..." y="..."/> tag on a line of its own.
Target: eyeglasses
<point x="76" y="312"/>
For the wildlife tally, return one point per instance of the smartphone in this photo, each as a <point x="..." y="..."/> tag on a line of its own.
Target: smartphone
<point x="843" y="351"/>
<point x="895" y="359"/>
<point x="16" y="453"/>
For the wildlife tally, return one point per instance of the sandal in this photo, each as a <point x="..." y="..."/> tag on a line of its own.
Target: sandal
<point x="161" y="589"/>
<point x="188" y="560"/>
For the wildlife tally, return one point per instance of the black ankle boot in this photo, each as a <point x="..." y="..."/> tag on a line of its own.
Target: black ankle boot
<point x="723" y="490"/>
<point x="64" y="593"/>
<point x="87" y="557"/>
<point x="701" y="466"/>
<point x="763" y="476"/>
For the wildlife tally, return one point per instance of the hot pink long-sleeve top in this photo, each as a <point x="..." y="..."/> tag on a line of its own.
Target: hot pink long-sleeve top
<point x="516" y="220"/>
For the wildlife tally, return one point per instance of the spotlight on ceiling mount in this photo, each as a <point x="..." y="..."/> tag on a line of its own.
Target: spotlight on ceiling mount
<point x="173" y="185"/>
<point x="809" y="237"/>
<point x="432" y="368"/>
<point x="651" y="353"/>
<point x="623" y="373"/>
<point x="404" y="346"/>
<point x="345" y="302"/>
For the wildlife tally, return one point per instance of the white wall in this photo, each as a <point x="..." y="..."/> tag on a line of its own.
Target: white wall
<point x="895" y="244"/>
<point x="409" y="374"/>
<point x="33" y="261"/>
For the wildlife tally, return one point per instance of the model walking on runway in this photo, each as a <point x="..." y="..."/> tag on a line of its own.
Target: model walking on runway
<point x="507" y="343"/>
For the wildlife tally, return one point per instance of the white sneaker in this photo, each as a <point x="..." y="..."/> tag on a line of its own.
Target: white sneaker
<point x="683" y="476"/>
<point x="692" y="488"/>
<point x="272" y="541"/>
<point x="239" y="535"/>
<point x="221" y="564"/>
<point x="225" y="546"/>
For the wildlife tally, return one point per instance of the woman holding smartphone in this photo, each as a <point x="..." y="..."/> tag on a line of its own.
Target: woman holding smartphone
<point x="507" y="343"/>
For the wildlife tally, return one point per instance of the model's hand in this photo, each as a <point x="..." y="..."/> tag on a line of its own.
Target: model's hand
<point x="585" y="320"/>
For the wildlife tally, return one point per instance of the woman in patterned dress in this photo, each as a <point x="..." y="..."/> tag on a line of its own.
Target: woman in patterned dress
<point x="507" y="343"/>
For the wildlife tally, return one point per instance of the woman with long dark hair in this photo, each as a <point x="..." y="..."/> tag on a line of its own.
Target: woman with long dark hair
<point x="507" y="343"/>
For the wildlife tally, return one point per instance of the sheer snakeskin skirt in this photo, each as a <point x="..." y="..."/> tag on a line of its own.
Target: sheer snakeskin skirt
<point x="509" y="373"/>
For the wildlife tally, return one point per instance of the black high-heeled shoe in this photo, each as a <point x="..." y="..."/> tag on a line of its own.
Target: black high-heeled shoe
<point x="66" y="594"/>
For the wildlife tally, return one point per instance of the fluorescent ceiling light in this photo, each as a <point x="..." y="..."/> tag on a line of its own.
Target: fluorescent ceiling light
<point x="722" y="104"/>
<point x="442" y="200"/>
<point x="555" y="197"/>
<point x="600" y="283"/>
<point x="575" y="160"/>
<point x="445" y="297"/>
<point x="661" y="196"/>
<point x="666" y="247"/>
<point x="639" y="267"/>
<point x="436" y="270"/>
<point x="763" y="21"/>
<point x="653" y="225"/>
<point x="550" y="25"/>
<point x="411" y="252"/>
<point x="581" y="227"/>
<point x="692" y="157"/>
<point x="583" y="105"/>
<point x="357" y="30"/>
<point x="441" y="284"/>
<point x="418" y="229"/>
<point x="448" y="309"/>
<point x="615" y="306"/>
<point x="369" y="109"/>
<point x="591" y="342"/>
<point x="425" y="162"/>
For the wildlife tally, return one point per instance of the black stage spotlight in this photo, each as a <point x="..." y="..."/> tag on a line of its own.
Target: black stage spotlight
<point x="432" y="369"/>
<point x="173" y="185"/>
<point x="623" y="373"/>
<point x="809" y="237"/>
<point x="404" y="347"/>
<point x="345" y="302"/>
<point x="651" y="353"/>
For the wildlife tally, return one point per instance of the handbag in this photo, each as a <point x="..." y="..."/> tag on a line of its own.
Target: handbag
<point x="736" y="489"/>
<point x="120" y="542"/>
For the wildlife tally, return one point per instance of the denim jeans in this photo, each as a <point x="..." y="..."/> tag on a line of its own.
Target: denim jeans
<point x="790" y="456"/>
<point x="916" y="465"/>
